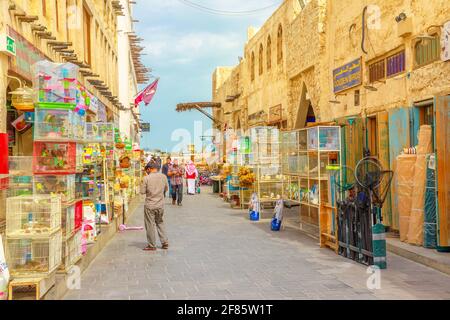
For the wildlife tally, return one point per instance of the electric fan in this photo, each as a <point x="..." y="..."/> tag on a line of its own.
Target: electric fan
<point x="375" y="184"/>
<point x="370" y="176"/>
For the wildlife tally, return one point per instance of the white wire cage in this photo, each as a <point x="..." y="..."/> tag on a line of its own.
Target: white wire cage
<point x="71" y="250"/>
<point x="100" y="132"/>
<point x="59" y="185"/>
<point x="30" y="216"/>
<point x="33" y="256"/>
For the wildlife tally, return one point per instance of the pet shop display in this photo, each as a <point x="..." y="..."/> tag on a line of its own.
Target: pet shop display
<point x="70" y="219"/>
<point x="20" y="176"/>
<point x="72" y="250"/>
<point x="55" y="85"/>
<point x="54" y="157"/>
<point x="100" y="132"/>
<point x="89" y="226"/>
<point x="125" y="161"/>
<point x="58" y="125"/>
<point x="33" y="215"/>
<point x="33" y="256"/>
<point x="61" y="185"/>
<point x="314" y="150"/>
<point x="266" y="164"/>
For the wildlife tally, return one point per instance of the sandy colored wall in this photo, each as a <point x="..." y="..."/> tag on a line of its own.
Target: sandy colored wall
<point x="326" y="35"/>
<point x="344" y="46"/>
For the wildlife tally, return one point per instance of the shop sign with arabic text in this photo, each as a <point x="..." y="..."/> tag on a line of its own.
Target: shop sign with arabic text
<point x="347" y="76"/>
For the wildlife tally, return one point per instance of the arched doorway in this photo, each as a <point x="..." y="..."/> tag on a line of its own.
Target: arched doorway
<point x="305" y="111"/>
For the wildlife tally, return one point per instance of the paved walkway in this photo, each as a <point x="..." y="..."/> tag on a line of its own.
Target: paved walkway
<point x="217" y="253"/>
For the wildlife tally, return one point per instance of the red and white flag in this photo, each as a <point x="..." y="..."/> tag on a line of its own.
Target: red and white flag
<point x="147" y="94"/>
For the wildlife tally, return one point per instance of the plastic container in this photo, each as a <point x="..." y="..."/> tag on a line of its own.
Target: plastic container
<point x="54" y="158"/>
<point x="61" y="185"/>
<point x="254" y="216"/>
<point x="275" y="225"/>
<point x="34" y="216"/>
<point x="32" y="257"/>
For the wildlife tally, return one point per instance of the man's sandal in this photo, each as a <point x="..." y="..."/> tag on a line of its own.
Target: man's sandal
<point x="165" y="246"/>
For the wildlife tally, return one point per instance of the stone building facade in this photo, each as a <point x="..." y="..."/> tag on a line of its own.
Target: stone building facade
<point x="382" y="64"/>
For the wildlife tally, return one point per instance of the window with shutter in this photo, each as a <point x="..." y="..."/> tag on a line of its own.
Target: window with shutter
<point x="427" y="51"/>
<point x="377" y="71"/>
<point x="252" y="67"/>
<point x="395" y="64"/>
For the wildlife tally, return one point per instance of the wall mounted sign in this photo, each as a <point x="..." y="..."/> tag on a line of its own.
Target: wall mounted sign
<point x="445" y="56"/>
<point x="7" y="45"/>
<point x="145" y="126"/>
<point x="347" y="76"/>
<point x="26" y="55"/>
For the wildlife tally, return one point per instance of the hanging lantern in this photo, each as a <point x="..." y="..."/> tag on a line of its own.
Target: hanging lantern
<point x="22" y="99"/>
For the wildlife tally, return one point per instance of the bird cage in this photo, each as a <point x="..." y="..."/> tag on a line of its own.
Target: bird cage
<point x="61" y="185"/>
<point x="58" y="125"/>
<point x="55" y="85"/>
<point x="100" y="132"/>
<point x="32" y="257"/>
<point x="54" y="158"/>
<point x="22" y="99"/>
<point x="20" y="176"/>
<point x="71" y="218"/>
<point x="71" y="250"/>
<point x="30" y="216"/>
<point x="20" y="166"/>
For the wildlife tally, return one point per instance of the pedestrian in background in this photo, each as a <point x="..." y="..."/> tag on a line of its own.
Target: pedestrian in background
<point x="159" y="162"/>
<point x="191" y="177"/>
<point x="154" y="186"/>
<point x="176" y="180"/>
<point x="165" y="171"/>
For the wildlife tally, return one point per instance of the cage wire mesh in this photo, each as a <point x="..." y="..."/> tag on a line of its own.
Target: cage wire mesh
<point x="33" y="216"/>
<point x="33" y="256"/>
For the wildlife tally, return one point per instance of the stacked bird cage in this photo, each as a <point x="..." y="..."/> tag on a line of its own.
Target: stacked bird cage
<point x="59" y="136"/>
<point x="33" y="235"/>
<point x="20" y="176"/>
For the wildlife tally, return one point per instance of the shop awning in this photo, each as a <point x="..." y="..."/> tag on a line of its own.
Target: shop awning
<point x="199" y="106"/>
<point x="195" y="105"/>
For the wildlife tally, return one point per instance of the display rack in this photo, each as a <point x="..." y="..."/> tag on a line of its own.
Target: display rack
<point x="265" y="160"/>
<point x="308" y="158"/>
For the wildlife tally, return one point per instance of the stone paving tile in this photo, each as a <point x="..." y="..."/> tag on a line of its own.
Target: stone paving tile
<point x="217" y="253"/>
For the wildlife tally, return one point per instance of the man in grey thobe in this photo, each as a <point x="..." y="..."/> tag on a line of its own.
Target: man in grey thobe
<point x="154" y="186"/>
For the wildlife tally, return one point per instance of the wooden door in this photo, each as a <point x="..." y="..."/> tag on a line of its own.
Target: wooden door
<point x="443" y="168"/>
<point x="399" y="138"/>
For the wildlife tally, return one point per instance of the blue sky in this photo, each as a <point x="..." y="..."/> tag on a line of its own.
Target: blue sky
<point x="183" y="46"/>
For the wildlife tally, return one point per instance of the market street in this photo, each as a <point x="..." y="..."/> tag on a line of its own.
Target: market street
<point x="216" y="253"/>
